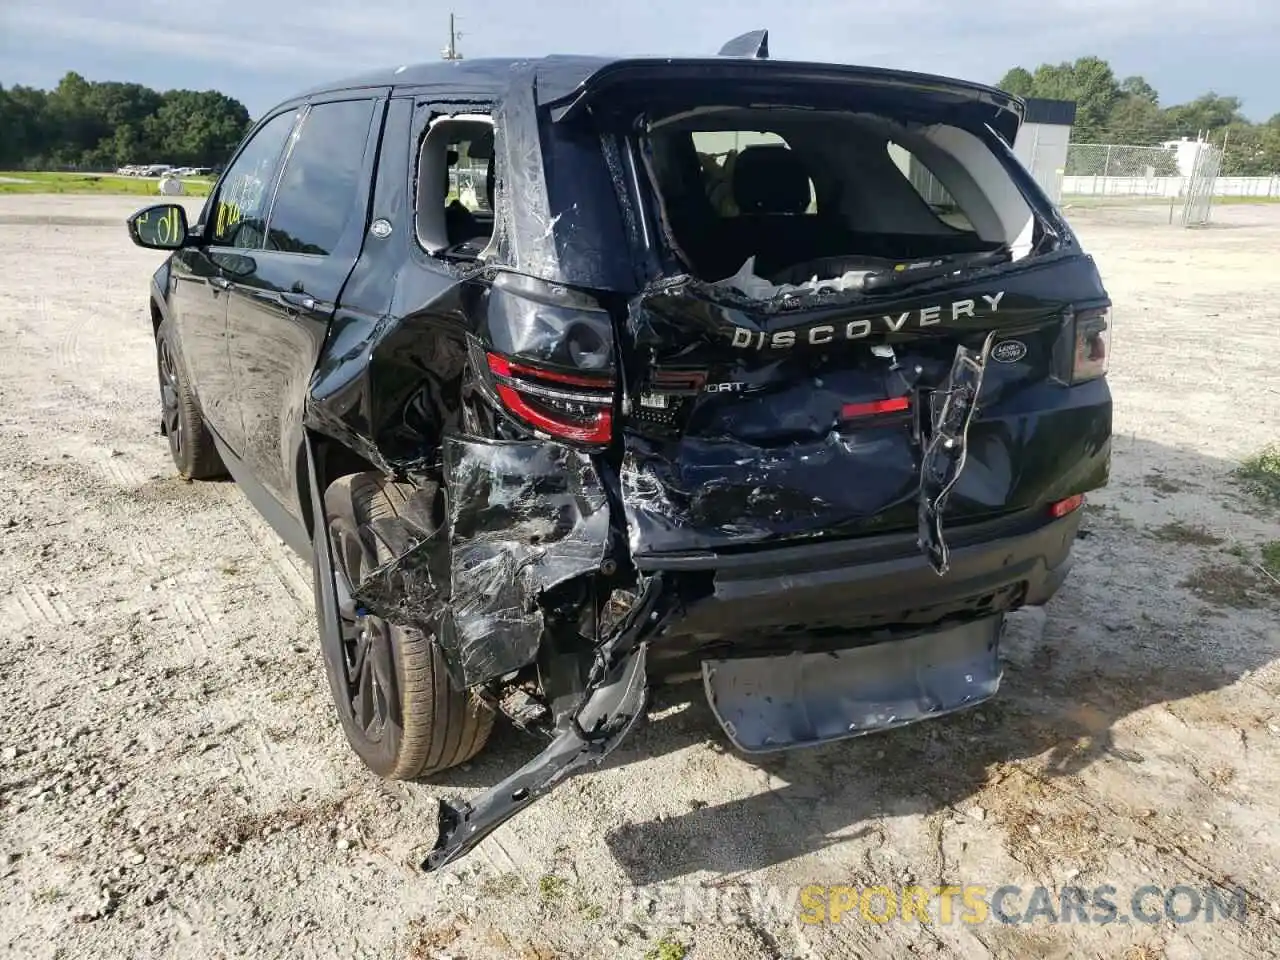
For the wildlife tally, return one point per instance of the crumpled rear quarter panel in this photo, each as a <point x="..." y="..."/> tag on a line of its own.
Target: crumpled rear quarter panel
<point x="522" y="517"/>
<point x="525" y="517"/>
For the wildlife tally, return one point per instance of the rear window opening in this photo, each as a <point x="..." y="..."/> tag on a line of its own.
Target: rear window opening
<point x="768" y="200"/>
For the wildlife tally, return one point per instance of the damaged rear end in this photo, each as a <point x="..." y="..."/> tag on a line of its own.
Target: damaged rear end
<point x="783" y="375"/>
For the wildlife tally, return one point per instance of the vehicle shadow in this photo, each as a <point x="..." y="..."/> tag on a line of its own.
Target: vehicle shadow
<point x="1125" y="633"/>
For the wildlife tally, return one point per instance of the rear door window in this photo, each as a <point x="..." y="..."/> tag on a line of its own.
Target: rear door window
<point x="315" y="200"/>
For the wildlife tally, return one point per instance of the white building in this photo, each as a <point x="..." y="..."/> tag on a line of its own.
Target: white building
<point x="1043" y="140"/>
<point x="1187" y="150"/>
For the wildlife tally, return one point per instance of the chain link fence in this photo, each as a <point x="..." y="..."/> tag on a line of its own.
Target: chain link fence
<point x="1120" y="161"/>
<point x="1185" y="173"/>
<point x="1198" y="203"/>
<point x="467" y="183"/>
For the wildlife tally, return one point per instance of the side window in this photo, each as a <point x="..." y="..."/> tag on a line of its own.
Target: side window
<point x="456" y="177"/>
<point x="316" y="196"/>
<point x="240" y="210"/>
<point x="929" y="187"/>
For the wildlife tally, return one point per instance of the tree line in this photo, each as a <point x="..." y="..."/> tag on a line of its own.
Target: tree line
<point x="1128" y="111"/>
<point x="84" y="125"/>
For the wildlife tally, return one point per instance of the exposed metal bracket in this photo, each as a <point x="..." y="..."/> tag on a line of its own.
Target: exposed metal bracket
<point x="954" y="405"/>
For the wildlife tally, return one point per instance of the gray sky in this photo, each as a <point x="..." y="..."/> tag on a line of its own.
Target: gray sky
<point x="262" y="52"/>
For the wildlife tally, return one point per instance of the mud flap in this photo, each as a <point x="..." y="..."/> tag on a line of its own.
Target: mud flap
<point x="953" y="406"/>
<point x="803" y="699"/>
<point x="614" y="699"/>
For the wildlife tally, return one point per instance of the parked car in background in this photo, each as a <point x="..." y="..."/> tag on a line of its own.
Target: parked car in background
<point x="807" y="441"/>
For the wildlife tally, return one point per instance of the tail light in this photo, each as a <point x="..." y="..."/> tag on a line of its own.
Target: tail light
<point x="875" y="408"/>
<point x="562" y="405"/>
<point x="1092" y="344"/>
<point x="550" y="358"/>
<point x="1062" y="507"/>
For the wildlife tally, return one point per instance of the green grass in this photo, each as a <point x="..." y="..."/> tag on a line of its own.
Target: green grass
<point x="552" y="887"/>
<point x="1260" y="475"/>
<point x="668" y="948"/>
<point x="1237" y="201"/>
<point x="1107" y="200"/>
<point x="101" y="183"/>
<point x="1179" y="532"/>
<point x="1271" y="557"/>
<point x="1080" y="200"/>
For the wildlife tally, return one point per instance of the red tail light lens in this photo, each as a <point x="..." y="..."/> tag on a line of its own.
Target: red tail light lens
<point x="1092" y="345"/>
<point x="1063" y="507"/>
<point x="565" y="406"/>
<point x="875" y="408"/>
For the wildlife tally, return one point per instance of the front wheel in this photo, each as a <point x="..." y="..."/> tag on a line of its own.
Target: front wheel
<point x="399" y="710"/>
<point x="190" y="442"/>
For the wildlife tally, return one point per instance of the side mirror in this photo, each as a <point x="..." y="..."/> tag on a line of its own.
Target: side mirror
<point x="161" y="227"/>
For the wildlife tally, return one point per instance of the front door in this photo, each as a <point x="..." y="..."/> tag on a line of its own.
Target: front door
<point x="202" y="276"/>
<point x="281" y="306"/>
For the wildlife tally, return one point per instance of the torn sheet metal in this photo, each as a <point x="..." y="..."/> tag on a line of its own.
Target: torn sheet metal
<point x="523" y="517"/>
<point x="738" y="427"/>
<point x="725" y="446"/>
<point x="697" y="493"/>
<point x="954" y="406"/>
<point x="750" y="284"/>
<point x="558" y="216"/>
<point x="387" y="389"/>
<point x="612" y="701"/>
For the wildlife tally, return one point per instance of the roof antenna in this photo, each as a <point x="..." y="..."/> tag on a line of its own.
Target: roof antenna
<point x="754" y="44"/>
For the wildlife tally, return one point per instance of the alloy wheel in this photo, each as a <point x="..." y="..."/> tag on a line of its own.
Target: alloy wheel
<point x="169" y="409"/>
<point x="366" y="640"/>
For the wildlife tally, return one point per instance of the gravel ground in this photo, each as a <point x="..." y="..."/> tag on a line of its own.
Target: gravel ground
<point x="173" y="780"/>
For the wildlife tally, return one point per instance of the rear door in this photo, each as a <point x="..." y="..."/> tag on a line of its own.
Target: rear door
<point x="281" y="304"/>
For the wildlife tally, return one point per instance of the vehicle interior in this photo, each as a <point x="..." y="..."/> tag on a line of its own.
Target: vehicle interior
<point x="816" y="194"/>
<point x="456" y="219"/>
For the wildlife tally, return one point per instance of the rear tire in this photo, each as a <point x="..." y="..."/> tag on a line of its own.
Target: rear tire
<point x="190" y="442"/>
<point x="399" y="710"/>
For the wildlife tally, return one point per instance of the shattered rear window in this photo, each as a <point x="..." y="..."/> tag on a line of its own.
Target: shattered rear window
<point x="717" y="151"/>
<point x="777" y="192"/>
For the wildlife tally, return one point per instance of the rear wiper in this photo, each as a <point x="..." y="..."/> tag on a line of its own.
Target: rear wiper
<point x="906" y="274"/>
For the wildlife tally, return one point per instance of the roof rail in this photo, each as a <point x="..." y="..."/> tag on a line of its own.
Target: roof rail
<point x="754" y="44"/>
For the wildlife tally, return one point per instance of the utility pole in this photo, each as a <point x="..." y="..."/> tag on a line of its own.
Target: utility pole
<point x="451" y="51"/>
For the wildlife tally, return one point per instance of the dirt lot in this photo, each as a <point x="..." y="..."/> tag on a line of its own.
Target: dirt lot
<point x="173" y="782"/>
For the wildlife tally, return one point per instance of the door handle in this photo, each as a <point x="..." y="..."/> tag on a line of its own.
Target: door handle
<point x="220" y="283"/>
<point x="296" y="298"/>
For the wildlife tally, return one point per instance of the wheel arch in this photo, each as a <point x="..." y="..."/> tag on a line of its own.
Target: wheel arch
<point x="158" y="302"/>
<point x="320" y="460"/>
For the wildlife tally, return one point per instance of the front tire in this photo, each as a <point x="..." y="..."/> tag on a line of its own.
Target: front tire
<point x="398" y="708"/>
<point x="190" y="442"/>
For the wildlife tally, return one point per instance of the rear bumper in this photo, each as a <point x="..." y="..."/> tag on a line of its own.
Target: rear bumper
<point x="824" y="595"/>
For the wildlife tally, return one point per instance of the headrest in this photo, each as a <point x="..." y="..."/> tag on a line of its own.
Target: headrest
<point x="481" y="148"/>
<point x="769" y="178"/>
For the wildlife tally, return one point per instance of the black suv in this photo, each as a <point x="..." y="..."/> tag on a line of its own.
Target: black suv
<point x="570" y="375"/>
